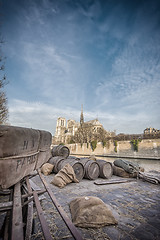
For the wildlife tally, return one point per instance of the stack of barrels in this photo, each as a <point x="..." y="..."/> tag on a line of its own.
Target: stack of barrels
<point x="83" y="167"/>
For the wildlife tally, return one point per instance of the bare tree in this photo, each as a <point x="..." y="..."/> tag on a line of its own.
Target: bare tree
<point x="87" y="133"/>
<point x="3" y="82"/>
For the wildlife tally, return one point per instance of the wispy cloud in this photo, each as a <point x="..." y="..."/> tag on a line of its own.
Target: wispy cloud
<point x="104" y="55"/>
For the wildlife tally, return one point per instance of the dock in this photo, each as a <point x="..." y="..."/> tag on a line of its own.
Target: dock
<point x="135" y="205"/>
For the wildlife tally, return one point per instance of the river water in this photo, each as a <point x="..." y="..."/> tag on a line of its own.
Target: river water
<point x="147" y="164"/>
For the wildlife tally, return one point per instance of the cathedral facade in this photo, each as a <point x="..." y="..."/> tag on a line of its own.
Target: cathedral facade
<point x="65" y="131"/>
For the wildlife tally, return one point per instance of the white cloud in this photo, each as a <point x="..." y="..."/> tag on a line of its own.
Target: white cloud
<point x="66" y="57"/>
<point x="38" y="115"/>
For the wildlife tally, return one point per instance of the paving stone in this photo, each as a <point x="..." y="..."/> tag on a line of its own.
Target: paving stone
<point x="142" y="234"/>
<point x="136" y="206"/>
<point x="128" y="237"/>
<point x="112" y="232"/>
<point x="155" y="222"/>
<point x="131" y="205"/>
<point x="148" y="213"/>
<point x="146" y="232"/>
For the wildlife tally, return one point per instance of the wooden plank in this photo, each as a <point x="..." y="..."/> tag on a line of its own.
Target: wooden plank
<point x="17" y="223"/>
<point x="113" y="181"/>
<point x="75" y="233"/>
<point x="6" y="227"/>
<point x="32" y="198"/>
<point x="5" y="206"/>
<point x="42" y="219"/>
<point x="7" y="230"/>
<point x="29" y="223"/>
<point x="31" y="194"/>
<point x="34" y="186"/>
<point x="5" y="192"/>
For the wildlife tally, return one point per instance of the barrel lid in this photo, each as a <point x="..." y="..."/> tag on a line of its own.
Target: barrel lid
<point x="92" y="170"/>
<point x="107" y="170"/>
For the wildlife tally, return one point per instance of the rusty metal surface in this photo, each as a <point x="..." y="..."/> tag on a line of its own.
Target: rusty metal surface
<point x="75" y="233"/>
<point x="17" y="223"/>
<point x="42" y="219"/>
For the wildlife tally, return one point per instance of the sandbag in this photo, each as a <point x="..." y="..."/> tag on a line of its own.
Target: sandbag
<point x="64" y="176"/>
<point x="92" y="157"/>
<point x="118" y="171"/>
<point x="47" y="168"/>
<point x="129" y="167"/>
<point x="91" y="212"/>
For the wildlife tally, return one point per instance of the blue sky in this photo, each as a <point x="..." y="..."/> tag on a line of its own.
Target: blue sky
<point x="64" y="53"/>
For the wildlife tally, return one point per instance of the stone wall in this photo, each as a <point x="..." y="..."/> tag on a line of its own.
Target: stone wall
<point x="146" y="148"/>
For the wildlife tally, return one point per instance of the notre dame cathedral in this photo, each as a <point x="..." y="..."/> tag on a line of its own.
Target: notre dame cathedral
<point x="66" y="131"/>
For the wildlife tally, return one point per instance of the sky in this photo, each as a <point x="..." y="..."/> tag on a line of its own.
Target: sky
<point x="104" y="54"/>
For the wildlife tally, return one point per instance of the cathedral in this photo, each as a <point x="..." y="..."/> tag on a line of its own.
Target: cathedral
<point x="66" y="130"/>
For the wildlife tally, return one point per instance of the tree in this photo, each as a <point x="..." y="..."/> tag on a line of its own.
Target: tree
<point x="87" y="133"/>
<point x="84" y="134"/>
<point x="3" y="82"/>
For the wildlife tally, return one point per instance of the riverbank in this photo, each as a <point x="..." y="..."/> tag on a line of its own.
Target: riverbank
<point x="118" y="156"/>
<point x="146" y="148"/>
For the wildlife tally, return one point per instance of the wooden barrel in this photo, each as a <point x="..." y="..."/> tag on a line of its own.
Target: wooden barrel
<point x="106" y="169"/>
<point x="77" y="166"/>
<point x="55" y="161"/>
<point x="75" y="158"/>
<point x="91" y="168"/>
<point x="44" y="148"/>
<point x="15" y="141"/>
<point x="22" y="150"/>
<point x="60" y="150"/>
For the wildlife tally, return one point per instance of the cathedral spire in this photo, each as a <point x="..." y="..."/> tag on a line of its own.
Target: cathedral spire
<point x="81" y="118"/>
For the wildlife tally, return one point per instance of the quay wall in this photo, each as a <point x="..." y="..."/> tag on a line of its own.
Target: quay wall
<point x="147" y="148"/>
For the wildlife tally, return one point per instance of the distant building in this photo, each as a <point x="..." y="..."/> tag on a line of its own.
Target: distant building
<point x="65" y="132"/>
<point x="151" y="131"/>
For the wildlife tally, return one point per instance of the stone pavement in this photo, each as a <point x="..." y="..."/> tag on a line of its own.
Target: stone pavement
<point x="136" y="206"/>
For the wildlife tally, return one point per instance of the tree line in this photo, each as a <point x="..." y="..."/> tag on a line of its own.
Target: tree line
<point x="3" y="82"/>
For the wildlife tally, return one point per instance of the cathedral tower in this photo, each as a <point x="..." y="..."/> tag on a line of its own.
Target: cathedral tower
<point x="81" y="117"/>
